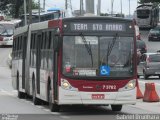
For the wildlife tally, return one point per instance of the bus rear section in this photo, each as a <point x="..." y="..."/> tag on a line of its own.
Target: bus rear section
<point x="98" y="62"/>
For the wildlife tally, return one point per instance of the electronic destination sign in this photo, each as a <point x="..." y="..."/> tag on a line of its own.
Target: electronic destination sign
<point x="119" y="27"/>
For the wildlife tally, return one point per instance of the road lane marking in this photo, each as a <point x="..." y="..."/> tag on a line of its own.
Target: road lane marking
<point x="8" y="93"/>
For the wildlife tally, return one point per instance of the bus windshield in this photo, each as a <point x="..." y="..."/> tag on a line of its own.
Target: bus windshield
<point x="86" y="58"/>
<point x="143" y="13"/>
<point x="6" y="29"/>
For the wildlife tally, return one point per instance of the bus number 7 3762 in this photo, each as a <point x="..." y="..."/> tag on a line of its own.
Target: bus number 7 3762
<point x="76" y="61"/>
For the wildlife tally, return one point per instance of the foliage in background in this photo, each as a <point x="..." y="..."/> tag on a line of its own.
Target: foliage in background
<point x="14" y="8"/>
<point x="146" y="1"/>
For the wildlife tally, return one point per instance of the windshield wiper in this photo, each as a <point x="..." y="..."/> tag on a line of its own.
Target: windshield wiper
<point x="110" y="47"/>
<point x="88" y="47"/>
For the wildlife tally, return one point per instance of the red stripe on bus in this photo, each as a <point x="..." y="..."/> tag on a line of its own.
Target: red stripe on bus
<point x="53" y="23"/>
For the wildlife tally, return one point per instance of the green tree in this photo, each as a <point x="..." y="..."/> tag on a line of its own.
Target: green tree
<point x="15" y="7"/>
<point x="146" y="1"/>
<point x="4" y="5"/>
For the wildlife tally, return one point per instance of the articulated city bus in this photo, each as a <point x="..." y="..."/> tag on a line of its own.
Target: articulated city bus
<point x="6" y="31"/>
<point x="76" y="61"/>
<point x="147" y="15"/>
<point x="42" y="16"/>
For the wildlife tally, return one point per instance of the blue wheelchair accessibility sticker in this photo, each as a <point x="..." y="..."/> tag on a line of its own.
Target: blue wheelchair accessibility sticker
<point x="104" y="70"/>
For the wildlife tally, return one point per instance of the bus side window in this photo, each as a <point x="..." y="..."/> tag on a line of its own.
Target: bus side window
<point x="41" y="40"/>
<point x="51" y="53"/>
<point x="45" y="40"/>
<point x="17" y="48"/>
<point x="50" y="43"/>
<point x="21" y="44"/>
<point x="39" y="43"/>
<point x="31" y="52"/>
<point x="34" y="49"/>
<point x="13" y="51"/>
<point x="44" y="51"/>
<point x="31" y="41"/>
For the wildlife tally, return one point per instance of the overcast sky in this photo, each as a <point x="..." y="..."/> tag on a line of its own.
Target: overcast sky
<point x="105" y="5"/>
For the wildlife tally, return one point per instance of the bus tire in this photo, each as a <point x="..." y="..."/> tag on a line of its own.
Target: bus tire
<point x="53" y="106"/>
<point x="35" y="100"/>
<point x="116" y="107"/>
<point x="21" y="95"/>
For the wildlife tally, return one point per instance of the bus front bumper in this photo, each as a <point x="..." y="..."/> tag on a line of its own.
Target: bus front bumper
<point x="67" y="97"/>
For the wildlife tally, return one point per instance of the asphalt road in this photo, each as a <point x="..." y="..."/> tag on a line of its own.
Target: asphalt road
<point x="25" y="110"/>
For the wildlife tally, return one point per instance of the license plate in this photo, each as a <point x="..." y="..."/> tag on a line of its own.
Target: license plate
<point x="155" y="37"/>
<point x="97" y="96"/>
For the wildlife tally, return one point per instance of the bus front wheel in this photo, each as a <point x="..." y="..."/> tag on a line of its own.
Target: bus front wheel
<point x="53" y="106"/>
<point x="116" y="107"/>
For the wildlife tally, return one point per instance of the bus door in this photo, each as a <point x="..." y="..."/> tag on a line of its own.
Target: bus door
<point x="55" y="77"/>
<point x="24" y="49"/>
<point x="55" y="66"/>
<point x="38" y="60"/>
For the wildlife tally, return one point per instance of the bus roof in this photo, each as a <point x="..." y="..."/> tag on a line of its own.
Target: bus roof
<point x="21" y="30"/>
<point x="97" y="18"/>
<point x="14" y="21"/>
<point x="55" y="9"/>
<point x="6" y="22"/>
<point x="45" y="24"/>
<point x="41" y="13"/>
<point x="39" y="25"/>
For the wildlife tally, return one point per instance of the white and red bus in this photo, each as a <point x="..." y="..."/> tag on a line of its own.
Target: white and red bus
<point x="147" y="15"/>
<point x="7" y="31"/>
<point x="76" y="61"/>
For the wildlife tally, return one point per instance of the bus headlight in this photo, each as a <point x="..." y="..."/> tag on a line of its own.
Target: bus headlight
<point x="129" y="86"/>
<point x="67" y="86"/>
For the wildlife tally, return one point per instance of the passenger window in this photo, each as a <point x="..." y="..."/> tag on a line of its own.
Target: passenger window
<point x="50" y="39"/>
<point x="45" y="40"/>
<point x="34" y="41"/>
<point x="42" y="41"/>
<point x="31" y="41"/>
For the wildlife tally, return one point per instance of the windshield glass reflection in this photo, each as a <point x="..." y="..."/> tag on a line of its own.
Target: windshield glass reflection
<point x="110" y="53"/>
